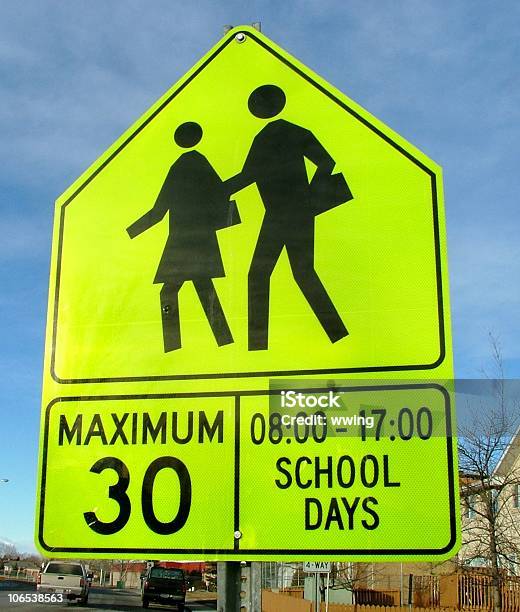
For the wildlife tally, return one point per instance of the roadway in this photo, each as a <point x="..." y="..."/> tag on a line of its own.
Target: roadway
<point x="99" y="599"/>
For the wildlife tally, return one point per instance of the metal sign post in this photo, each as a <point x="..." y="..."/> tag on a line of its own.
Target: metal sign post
<point x="228" y="586"/>
<point x="327" y="593"/>
<point x="239" y="587"/>
<point x="317" y="597"/>
<point x="317" y="568"/>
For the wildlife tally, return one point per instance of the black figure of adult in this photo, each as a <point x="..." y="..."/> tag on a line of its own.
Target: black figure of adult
<point x="276" y="164"/>
<point x="195" y="198"/>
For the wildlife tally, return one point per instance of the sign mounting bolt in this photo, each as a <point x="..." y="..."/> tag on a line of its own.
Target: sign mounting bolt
<point x="237" y="534"/>
<point x="240" y="37"/>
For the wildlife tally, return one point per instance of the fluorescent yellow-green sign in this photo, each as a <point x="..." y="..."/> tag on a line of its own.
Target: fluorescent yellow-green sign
<point x="375" y="267"/>
<point x="254" y="225"/>
<point x="112" y="482"/>
<point x="243" y="476"/>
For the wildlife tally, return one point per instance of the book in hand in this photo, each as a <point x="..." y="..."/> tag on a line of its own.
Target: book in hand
<point x="328" y="191"/>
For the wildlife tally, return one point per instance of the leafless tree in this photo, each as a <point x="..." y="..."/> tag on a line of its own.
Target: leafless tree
<point x="8" y="550"/>
<point x="359" y="578"/>
<point x="489" y="460"/>
<point x="34" y="558"/>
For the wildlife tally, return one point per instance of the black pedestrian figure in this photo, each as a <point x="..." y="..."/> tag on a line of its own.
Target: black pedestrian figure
<point x="198" y="205"/>
<point x="276" y="164"/>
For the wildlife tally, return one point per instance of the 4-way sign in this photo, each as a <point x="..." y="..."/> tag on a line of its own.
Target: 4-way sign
<point x="317" y="567"/>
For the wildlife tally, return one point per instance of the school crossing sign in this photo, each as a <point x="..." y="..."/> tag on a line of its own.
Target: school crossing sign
<point x="248" y="308"/>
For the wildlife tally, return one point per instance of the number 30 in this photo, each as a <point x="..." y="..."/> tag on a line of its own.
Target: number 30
<point x="117" y="492"/>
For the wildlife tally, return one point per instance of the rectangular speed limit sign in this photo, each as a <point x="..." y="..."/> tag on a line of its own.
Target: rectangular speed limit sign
<point x="155" y="472"/>
<point x="241" y="476"/>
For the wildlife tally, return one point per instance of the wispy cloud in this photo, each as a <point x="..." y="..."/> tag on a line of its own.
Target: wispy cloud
<point x="6" y="541"/>
<point x="21" y="546"/>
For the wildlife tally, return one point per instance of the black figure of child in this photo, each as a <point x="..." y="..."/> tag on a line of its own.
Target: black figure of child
<point x="276" y="163"/>
<point x="197" y="202"/>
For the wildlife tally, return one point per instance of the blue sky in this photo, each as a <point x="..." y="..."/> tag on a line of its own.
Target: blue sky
<point x="75" y="74"/>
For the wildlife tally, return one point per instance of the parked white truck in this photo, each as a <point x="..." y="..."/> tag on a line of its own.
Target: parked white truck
<point x="71" y="580"/>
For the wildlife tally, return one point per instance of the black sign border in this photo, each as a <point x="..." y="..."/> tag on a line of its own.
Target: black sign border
<point x="214" y="375"/>
<point x="236" y="550"/>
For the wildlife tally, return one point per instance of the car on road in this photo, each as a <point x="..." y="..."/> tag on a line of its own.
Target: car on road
<point x="65" y="578"/>
<point x="164" y="585"/>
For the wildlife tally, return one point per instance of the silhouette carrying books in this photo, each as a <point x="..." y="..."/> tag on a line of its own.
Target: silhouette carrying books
<point x="276" y="163"/>
<point x="198" y="205"/>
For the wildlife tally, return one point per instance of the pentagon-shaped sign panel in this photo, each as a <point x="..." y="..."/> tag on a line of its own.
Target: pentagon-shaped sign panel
<point x="255" y="222"/>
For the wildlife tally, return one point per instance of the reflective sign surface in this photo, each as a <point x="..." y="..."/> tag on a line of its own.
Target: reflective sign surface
<point x="254" y="225"/>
